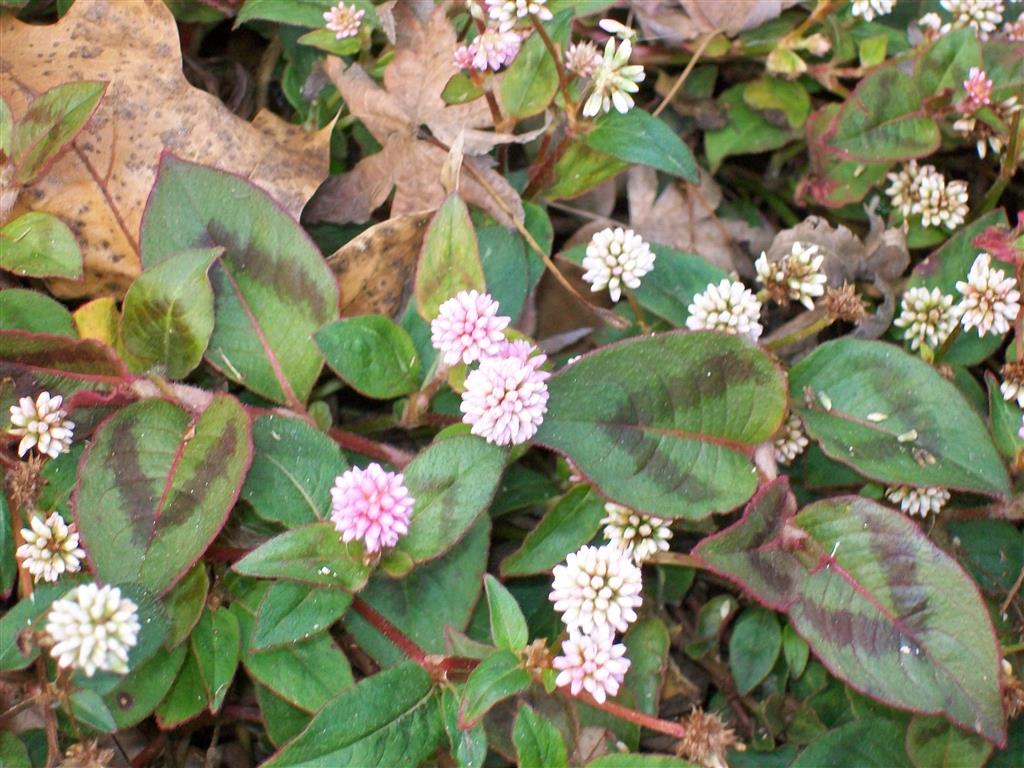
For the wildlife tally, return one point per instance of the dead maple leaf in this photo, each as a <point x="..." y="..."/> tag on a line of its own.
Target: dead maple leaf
<point x="677" y="21"/>
<point x="394" y="114"/>
<point x="375" y="269"/>
<point x="100" y="186"/>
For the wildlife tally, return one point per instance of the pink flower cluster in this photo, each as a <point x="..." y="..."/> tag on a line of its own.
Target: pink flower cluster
<point x="979" y="90"/>
<point x="506" y="397"/>
<point x="371" y="505"/>
<point x="492" y="49"/>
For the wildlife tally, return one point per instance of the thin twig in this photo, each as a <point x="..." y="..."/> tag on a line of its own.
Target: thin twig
<point x="1013" y="593"/>
<point x="686" y="72"/>
<point x="633" y="716"/>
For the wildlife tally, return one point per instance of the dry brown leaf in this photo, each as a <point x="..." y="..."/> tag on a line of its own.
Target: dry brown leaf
<point x="677" y="21"/>
<point x="394" y="114"/>
<point x="100" y="187"/>
<point x="683" y="217"/>
<point x="375" y="269"/>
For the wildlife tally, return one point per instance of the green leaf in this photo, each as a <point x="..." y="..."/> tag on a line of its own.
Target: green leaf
<point x="870" y="743"/>
<point x="453" y="481"/>
<point x="39" y="244"/>
<point x="508" y="266"/>
<point x="215" y="644"/>
<point x="301" y="13"/>
<point x="674" y="442"/>
<point x="156" y="486"/>
<point x="538" y="742"/>
<point x="834" y="181"/>
<point x="306" y="674"/>
<point x="371" y="354"/>
<point x="992" y="551"/>
<point x="468" y="747"/>
<point x="796" y="651"/>
<point x="167" y="316"/>
<point x="754" y="646"/>
<point x="311" y="554"/>
<point x="293" y="469"/>
<point x="774" y="95"/>
<point x="27" y="310"/>
<point x="1005" y="418"/>
<point x="929" y="436"/>
<point x="59" y="363"/>
<point x="8" y="562"/>
<point x="640" y="137"/>
<point x="494" y="680"/>
<point x="185" y="603"/>
<point x="51" y="123"/>
<point x="625" y="760"/>
<point x="884" y="120"/>
<point x="951" y="263"/>
<point x="579" y="170"/>
<point x="450" y="585"/>
<point x="508" y="625"/>
<point x="138" y="693"/>
<point x="450" y="259"/>
<point x="647" y="643"/>
<point x="572" y="522"/>
<point x="882" y="607"/>
<point x="326" y="40"/>
<point x="90" y="710"/>
<point x="746" y="133"/>
<point x="948" y="61"/>
<point x="531" y="81"/>
<point x="13" y="753"/>
<point x="391" y="718"/>
<point x="187" y="697"/>
<point x="272" y="289"/>
<point x="681" y="276"/>
<point x="292" y="612"/>
<point x="283" y="721"/>
<point x="932" y="741"/>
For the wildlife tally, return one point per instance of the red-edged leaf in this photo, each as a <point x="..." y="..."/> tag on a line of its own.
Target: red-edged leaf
<point x="61" y="364"/>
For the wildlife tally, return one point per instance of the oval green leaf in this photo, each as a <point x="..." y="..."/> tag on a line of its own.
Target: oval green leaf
<point x="371" y="354"/>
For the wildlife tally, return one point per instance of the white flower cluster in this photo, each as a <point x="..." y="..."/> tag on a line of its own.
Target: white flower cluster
<point x="918" y="501"/>
<point x="50" y="548"/>
<point x="790" y="441"/>
<point x="991" y="300"/>
<point x="93" y="628"/>
<point x="928" y="317"/>
<point x="984" y="16"/>
<point x="729" y="307"/>
<point x="636" y="534"/>
<point x="506" y="397"/>
<point x="923" y="191"/>
<point x="797" y="276"/>
<point x="344" y="20"/>
<point x="616" y="257"/>
<point x="597" y="591"/>
<point x="869" y="9"/>
<point x="613" y="78"/>
<point x="41" y="424"/>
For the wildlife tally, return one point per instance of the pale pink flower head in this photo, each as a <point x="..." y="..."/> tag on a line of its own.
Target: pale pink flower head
<point x="463" y="57"/>
<point x="344" y="20"/>
<point x="41" y="424"/>
<point x="582" y="58"/>
<point x="507" y="396"/>
<point x="1014" y="30"/>
<point x="494" y="48"/>
<point x="371" y="505"/>
<point x="597" y="587"/>
<point x="468" y="328"/>
<point x="594" y="663"/>
<point x="990" y="301"/>
<point x="979" y="90"/>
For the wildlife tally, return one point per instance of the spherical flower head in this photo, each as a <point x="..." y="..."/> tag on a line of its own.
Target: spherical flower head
<point x="918" y="501"/>
<point x="1012" y="386"/>
<point x="42" y="425"/>
<point x="1014" y="30"/>
<point x="93" y="628"/>
<point x="979" y="90"/>
<point x="371" y="505"/>
<point x="582" y="58"/>
<point x="990" y="301"/>
<point x="597" y="587"/>
<point x="493" y="49"/>
<point x="468" y="328"/>
<point x="791" y="440"/>
<point x="507" y="12"/>
<point x="869" y="9"/>
<point x="50" y="548"/>
<point x="983" y="15"/>
<point x="344" y="20"/>
<point x="796" y="277"/>
<point x="505" y="399"/>
<point x="901" y="188"/>
<point x="616" y="257"/>
<point x="593" y="662"/>
<point x="463" y="57"/>
<point x="939" y="203"/>
<point x="636" y="534"/>
<point x="928" y="317"/>
<point x="729" y="307"/>
<point x="614" y="80"/>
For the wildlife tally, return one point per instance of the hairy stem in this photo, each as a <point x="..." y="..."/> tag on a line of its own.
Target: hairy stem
<point x="811" y="329"/>
<point x="368" y="447"/>
<point x="392" y="633"/>
<point x="633" y="716"/>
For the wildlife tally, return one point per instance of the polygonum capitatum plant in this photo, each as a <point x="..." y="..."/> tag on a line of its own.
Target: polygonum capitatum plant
<point x="531" y="383"/>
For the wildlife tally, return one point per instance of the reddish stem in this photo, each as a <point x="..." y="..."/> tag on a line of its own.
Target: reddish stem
<point x="151" y="750"/>
<point x="392" y="633"/>
<point x="360" y="444"/>
<point x="647" y="721"/>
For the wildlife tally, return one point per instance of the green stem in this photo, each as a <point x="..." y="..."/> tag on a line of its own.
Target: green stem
<point x="680" y="559"/>
<point x="563" y="80"/>
<point x="799" y="334"/>
<point x="941" y="351"/>
<point x="1006" y="171"/>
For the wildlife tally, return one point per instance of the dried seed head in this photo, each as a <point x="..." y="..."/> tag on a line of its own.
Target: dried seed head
<point x="843" y="303"/>
<point x="707" y="739"/>
<point x="87" y="754"/>
<point x="25" y="481"/>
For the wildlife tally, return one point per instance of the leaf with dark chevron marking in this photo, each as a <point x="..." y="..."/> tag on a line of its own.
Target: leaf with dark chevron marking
<point x="272" y="288"/>
<point x="665" y="424"/>
<point x="157" y="485"/>
<point x="882" y="607"/>
<point x="893" y="418"/>
<point x="61" y="364"/>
